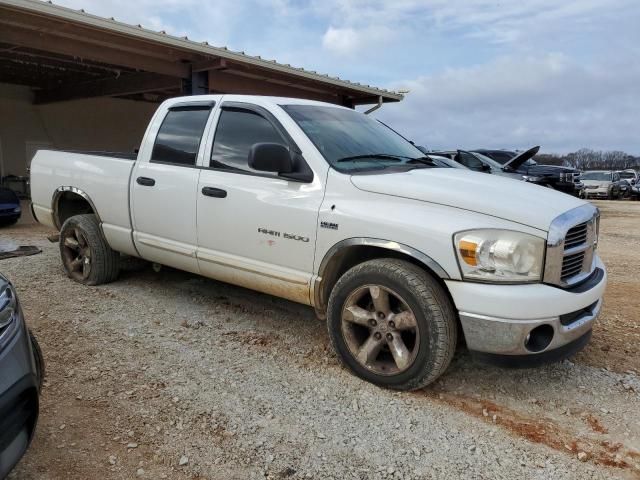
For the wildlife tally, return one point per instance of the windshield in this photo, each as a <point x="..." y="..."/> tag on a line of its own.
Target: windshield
<point x="350" y="140"/>
<point x="627" y="175"/>
<point x="603" y="176"/>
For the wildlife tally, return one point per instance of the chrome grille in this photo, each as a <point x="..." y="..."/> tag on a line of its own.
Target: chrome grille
<point x="571" y="246"/>
<point x="576" y="236"/>
<point x="571" y="265"/>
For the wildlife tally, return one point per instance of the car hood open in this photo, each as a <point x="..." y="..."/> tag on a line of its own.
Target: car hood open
<point x="501" y="197"/>
<point x="518" y="160"/>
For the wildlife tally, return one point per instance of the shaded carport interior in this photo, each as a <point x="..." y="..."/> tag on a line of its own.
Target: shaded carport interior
<point x="69" y="79"/>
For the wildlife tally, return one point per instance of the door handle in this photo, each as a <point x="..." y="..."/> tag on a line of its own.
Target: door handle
<point x="214" y="192"/>
<point x="145" y="181"/>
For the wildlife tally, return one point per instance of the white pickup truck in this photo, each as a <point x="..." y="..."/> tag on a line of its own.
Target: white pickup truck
<point x="325" y="206"/>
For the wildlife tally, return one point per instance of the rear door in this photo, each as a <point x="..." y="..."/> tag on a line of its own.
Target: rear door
<point x="255" y="229"/>
<point x="164" y="187"/>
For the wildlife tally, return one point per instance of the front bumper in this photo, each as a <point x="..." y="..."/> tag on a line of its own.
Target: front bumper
<point x="527" y="320"/>
<point x="18" y="393"/>
<point x="596" y="192"/>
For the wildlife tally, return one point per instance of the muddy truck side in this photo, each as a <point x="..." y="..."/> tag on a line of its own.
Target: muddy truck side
<point x="324" y="206"/>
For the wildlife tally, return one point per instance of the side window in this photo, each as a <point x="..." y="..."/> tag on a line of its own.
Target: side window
<point x="469" y="161"/>
<point x="237" y="131"/>
<point x="179" y="136"/>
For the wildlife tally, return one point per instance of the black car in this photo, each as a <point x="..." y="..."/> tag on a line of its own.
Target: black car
<point x="9" y="207"/>
<point x="21" y="374"/>
<point x="564" y="179"/>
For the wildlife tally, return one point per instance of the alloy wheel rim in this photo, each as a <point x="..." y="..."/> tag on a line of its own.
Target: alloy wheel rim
<point x="77" y="254"/>
<point x="380" y="330"/>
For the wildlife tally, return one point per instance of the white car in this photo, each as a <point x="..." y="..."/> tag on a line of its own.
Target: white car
<point x="324" y="206"/>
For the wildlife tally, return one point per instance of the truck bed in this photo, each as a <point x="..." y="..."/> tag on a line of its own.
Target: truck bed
<point x="101" y="176"/>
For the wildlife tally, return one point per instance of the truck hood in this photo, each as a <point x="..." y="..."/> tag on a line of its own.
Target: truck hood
<point x="546" y="170"/>
<point x="509" y="199"/>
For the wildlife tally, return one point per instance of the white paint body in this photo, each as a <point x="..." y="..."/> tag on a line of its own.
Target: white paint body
<point x="174" y="224"/>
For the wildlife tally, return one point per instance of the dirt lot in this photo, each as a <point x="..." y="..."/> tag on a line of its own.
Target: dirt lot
<point x="170" y="375"/>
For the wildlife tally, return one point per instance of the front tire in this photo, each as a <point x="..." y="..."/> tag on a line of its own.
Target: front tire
<point x="86" y="256"/>
<point x="392" y="324"/>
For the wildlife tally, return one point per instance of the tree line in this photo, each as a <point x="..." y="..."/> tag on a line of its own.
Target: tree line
<point x="587" y="159"/>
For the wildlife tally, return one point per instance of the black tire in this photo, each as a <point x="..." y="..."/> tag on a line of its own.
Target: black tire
<point x="104" y="264"/>
<point x="37" y="354"/>
<point x="430" y="305"/>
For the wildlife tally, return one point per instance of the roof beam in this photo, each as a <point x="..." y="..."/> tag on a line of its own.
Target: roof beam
<point x="107" y="87"/>
<point x="51" y="43"/>
<point x="211" y="64"/>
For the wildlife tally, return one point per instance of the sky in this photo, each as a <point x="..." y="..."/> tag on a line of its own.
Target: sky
<point x="563" y="74"/>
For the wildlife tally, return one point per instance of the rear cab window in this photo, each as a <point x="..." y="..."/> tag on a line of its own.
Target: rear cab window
<point x="179" y="136"/>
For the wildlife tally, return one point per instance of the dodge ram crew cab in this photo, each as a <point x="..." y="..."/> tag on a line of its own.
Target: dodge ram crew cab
<point x="322" y="205"/>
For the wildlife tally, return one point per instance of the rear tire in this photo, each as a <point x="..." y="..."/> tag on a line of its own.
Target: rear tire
<point x="86" y="256"/>
<point x="392" y="324"/>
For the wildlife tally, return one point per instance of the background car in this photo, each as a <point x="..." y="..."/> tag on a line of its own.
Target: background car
<point x="564" y="179"/>
<point x="21" y="375"/>
<point x="477" y="162"/>
<point x="9" y="207"/>
<point x="630" y="176"/>
<point x="601" y="184"/>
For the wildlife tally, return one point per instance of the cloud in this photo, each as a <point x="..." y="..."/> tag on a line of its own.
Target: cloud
<point x="549" y="100"/>
<point x="349" y="41"/>
<point x="563" y="74"/>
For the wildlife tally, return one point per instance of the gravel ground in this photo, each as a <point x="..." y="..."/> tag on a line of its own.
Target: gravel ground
<point x="171" y="375"/>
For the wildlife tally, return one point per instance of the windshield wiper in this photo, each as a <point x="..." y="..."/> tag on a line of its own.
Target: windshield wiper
<point x="383" y="156"/>
<point x="425" y="160"/>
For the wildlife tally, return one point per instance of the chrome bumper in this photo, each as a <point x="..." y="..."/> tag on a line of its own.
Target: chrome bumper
<point x="509" y="337"/>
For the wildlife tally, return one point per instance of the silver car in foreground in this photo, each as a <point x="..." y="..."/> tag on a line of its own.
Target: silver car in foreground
<point x="21" y="374"/>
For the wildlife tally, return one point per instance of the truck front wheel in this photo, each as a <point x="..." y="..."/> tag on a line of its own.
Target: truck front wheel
<point x="86" y="256"/>
<point x="392" y="324"/>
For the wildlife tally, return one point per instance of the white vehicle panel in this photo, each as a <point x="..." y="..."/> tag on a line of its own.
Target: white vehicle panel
<point x="105" y="180"/>
<point x="361" y="214"/>
<point x="520" y="202"/>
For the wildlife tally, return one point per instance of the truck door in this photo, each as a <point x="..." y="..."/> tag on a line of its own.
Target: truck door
<point x="255" y="229"/>
<point x="164" y="186"/>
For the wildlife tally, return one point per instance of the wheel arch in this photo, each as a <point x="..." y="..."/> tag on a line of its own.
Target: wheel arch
<point x="68" y="201"/>
<point x="352" y="251"/>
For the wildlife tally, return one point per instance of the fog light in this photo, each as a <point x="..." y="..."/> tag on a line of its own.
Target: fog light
<point x="539" y="338"/>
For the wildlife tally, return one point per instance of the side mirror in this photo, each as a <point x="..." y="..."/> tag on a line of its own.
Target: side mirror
<point x="485" y="168"/>
<point x="270" y="157"/>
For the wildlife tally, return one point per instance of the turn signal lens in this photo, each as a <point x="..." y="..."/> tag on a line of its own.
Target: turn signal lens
<point x="468" y="252"/>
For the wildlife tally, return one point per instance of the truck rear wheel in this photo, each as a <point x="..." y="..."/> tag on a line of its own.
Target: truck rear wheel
<point x="392" y="324"/>
<point x="86" y="256"/>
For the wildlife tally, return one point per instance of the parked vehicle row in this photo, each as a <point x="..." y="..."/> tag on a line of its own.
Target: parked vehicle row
<point x="608" y="184"/>
<point x="519" y="166"/>
<point x="604" y="184"/>
<point x="322" y="205"/>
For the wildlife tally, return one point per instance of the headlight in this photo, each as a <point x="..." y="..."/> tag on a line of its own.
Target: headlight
<point x="499" y="255"/>
<point x="7" y="305"/>
<point x="16" y="210"/>
<point x="531" y="178"/>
